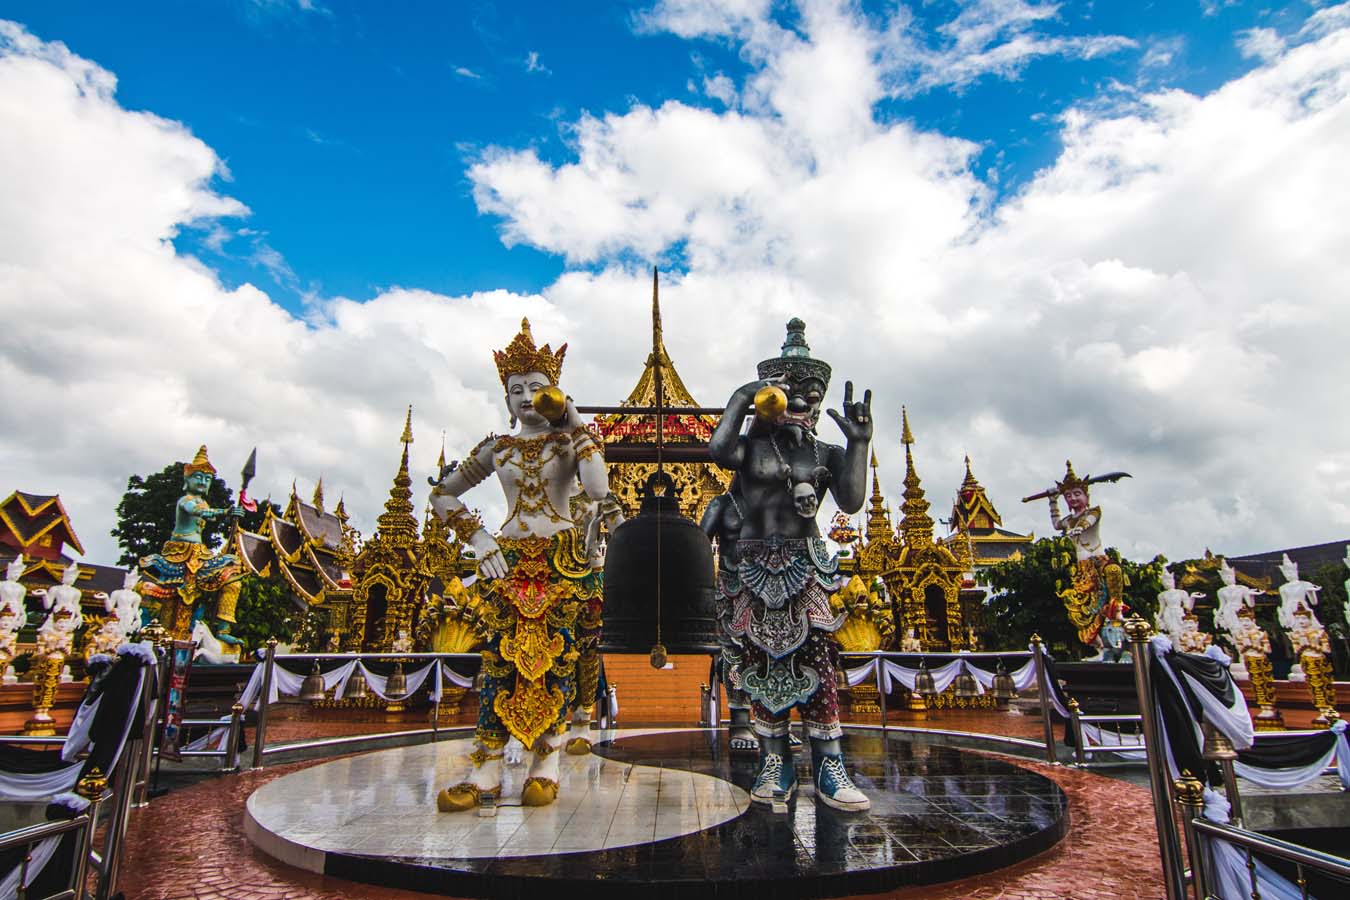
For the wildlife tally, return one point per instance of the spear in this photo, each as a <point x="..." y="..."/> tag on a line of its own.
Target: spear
<point x="1111" y="477"/>
<point x="245" y="476"/>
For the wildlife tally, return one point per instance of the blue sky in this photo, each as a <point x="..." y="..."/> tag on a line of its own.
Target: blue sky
<point x="347" y="127"/>
<point x="1111" y="232"/>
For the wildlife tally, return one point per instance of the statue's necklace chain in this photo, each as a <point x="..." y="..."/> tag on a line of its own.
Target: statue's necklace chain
<point x="773" y="442"/>
<point x="528" y="455"/>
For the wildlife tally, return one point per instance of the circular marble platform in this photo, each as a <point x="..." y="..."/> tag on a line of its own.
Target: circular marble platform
<point x="660" y="814"/>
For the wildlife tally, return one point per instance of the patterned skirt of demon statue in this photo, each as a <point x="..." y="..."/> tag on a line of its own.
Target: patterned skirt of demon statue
<point x="778" y="623"/>
<point x="543" y="625"/>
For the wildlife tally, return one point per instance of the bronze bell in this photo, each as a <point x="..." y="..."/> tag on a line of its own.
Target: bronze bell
<point x="357" y="688"/>
<point x="923" y="681"/>
<point x="1004" y="688"/>
<point x="659" y="580"/>
<point x="397" y="685"/>
<point x="965" y="685"/>
<point x="312" y="688"/>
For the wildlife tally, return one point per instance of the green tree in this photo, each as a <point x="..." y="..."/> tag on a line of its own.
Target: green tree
<point x="146" y="513"/>
<point x="266" y="609"/>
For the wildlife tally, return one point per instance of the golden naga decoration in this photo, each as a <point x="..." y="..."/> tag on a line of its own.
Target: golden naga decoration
<point x="870" y="625"/>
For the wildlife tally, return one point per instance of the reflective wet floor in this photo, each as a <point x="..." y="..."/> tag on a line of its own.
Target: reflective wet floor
<point x="937" y="814"/>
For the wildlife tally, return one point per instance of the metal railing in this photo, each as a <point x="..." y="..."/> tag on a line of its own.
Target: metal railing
<point x="82" y="826"/>
<point x="1205" y="840"/>
<point x="1085" y="751"/>
<point x="127" y="775"/>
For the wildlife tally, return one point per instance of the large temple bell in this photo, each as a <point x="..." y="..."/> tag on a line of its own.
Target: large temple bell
<point x="659" y="580"/>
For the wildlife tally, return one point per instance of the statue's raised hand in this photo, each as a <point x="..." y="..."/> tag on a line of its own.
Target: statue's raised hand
<point x="856" y="421"/>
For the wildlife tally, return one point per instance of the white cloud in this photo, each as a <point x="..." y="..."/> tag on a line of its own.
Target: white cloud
<point x="466" y="72"/>
<point x="533" y="65"/>
<point x="1264" y="44"/>
<point x="1162" y="299"/>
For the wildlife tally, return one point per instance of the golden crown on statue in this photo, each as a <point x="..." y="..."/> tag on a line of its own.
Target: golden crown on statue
<point x="521" y="356"/>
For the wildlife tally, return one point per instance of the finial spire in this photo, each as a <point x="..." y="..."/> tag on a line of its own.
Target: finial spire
<point x="906" y="436"/>
<point x="407" y="437"/>
<point x="658" y="339"/>
<point x="318" y="495"/>
<point x="440" y="460"/>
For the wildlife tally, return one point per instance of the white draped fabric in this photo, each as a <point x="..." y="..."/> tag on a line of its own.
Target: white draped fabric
<point x="286" y="683"/>
<point x="1024" y="677"/>
<point x="454" y="677"/>
<point x="78" y="736"/>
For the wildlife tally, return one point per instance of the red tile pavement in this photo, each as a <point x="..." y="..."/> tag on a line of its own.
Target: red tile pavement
<point x="190" y="845"/>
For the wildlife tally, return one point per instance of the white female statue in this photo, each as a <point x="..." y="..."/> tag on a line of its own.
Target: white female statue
<point x="1173" y="605"/>
<point x="57" y="633"/>
<point x="1235" y="615"/>
<point x="1294" y="593"/>
<point x="542" y="595"/>
<point x="13" y="615"/>
<point x="125" y="605"/>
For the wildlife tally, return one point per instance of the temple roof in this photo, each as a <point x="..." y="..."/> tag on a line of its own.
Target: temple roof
<point x="256" y="552"/>
<point x="287" y="537"/>
<point x="27" y="519"/>
<point x="972" y="507"/>
<point x="317" y="525"/>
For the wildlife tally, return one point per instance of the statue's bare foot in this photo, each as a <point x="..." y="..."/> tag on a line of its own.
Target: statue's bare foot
<point x="743" y="740"/>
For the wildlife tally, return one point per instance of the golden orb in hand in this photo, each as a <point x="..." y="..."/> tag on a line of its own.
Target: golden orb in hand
<point x="551" y="403"/>
<point x="770" y="402"/>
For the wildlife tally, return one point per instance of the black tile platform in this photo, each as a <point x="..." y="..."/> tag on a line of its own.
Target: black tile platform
<point x="937" y="814"/>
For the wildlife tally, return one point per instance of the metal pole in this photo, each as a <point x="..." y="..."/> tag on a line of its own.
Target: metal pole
<point x="881" y="692"/>
<point x="1191" y="799"/>
<point x="1043" y="691"/>
<point x="260" y="731"/>
<point x="151" y="700"/>
<point x="117" y="824"/>
<point x="1075" y="717"/>
<point x="232" y="748"/>
<point x="1169" y="846"/>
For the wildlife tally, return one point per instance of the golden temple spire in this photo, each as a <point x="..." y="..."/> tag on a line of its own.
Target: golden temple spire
<point x="341" y="511"/>
<point x="972" y="508"/>
<point x="906" y="436"/>
<point x="878" y="518"/>
<point x="397" y="523"/>
<point x="318" y="495"/>
<point x="440" y="460"/>
<point x="658" y="341"/>
<point x="407" y="428"/>
<point x="915" y="523"/>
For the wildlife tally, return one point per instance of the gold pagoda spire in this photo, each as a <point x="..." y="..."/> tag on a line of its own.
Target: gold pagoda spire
<point x="915" y="524"/>
<point x="878" y="517"/>
<point x="440" y="460"/>
<point x="658" y="340"/>
<point x="397" y="523"/>
<point x="318" y="495"/>
<point x="340" y="512"/>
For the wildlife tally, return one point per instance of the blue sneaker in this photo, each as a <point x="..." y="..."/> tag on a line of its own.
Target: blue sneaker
<point x="838" y="790"/>
<point x="777" y="773"/>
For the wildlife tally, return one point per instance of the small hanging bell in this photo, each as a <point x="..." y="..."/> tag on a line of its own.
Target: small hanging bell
<point x="965" y="686"/>
<point x="923" y="681"/>
<point x="658" y="656"/>
<point x="397" y="685"/>
<point x="357" y="688"/>
<point x="1004" y="688"/>
<point x="312" y="688"/>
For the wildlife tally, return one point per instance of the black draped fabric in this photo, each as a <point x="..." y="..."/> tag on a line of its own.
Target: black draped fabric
<point x="26" y="761"/>
<point x="1179" y="713"/>
<point x="120" y="710"/>
<point x="1209" y="672"/>
<point x="1052" y="678"/>
<point x="1288" y="751"/>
